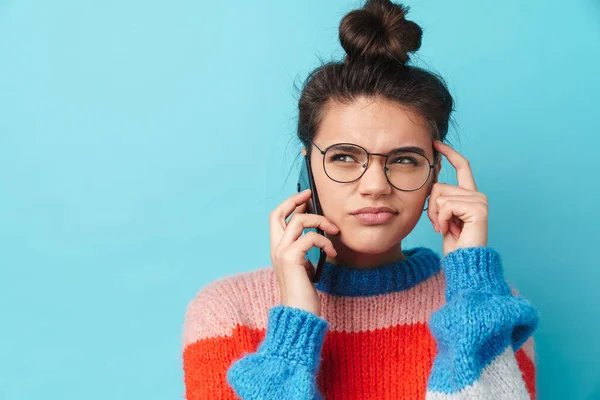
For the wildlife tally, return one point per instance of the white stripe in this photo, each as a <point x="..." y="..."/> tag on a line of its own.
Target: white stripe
<point x="501" y="379"/>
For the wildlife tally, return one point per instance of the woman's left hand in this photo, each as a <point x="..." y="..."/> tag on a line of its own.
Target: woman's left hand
<point x="459" y="213"/>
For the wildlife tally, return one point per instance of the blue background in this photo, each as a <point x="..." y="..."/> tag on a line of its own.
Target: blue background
<point x="143" y="145"/>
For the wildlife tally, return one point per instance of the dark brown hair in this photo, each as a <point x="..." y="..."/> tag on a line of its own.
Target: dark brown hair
<point x="377" y="39"/>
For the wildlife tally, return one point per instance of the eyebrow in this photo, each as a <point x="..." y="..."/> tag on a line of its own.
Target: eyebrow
<point x="415" y="149"/>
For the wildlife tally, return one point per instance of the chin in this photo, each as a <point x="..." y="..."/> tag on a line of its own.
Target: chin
<point x="373" y="243"/>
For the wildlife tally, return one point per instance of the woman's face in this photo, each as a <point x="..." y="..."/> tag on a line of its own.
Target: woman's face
<point x="379" y="126"/>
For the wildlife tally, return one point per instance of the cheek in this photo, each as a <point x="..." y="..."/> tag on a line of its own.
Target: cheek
<point x="413" y="207"/>
<point x="411" y="210"/>
<point x="415" y="201"/>
<point x="332" y="198"/>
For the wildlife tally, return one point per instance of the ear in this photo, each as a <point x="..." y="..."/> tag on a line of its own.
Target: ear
<point x="303" y="151"/>
<point x="436" y="172"/>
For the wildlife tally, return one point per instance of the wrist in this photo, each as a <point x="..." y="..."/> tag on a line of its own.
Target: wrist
<point x="294" y="334"/>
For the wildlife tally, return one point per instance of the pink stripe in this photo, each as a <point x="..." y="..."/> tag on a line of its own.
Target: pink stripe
<point x="217" y="308"/>
<point x="218" y="304"/>
<point x="359" y="314"/>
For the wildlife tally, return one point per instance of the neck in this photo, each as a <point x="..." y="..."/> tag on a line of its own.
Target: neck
<point x="346" y="256"/>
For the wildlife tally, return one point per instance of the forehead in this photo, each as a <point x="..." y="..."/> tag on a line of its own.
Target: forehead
<point x="376" y="124"/>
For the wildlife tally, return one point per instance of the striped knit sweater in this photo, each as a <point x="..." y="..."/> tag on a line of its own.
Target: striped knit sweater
<point x="419" y="328"/>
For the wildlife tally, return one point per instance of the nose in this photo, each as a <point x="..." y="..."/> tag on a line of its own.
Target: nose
<point x="374" y="180"/>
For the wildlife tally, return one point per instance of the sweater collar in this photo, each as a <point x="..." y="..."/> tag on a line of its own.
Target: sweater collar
<point x="342" y="280"/>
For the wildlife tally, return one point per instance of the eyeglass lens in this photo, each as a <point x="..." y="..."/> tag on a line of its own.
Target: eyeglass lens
<point x="405" y="170"/>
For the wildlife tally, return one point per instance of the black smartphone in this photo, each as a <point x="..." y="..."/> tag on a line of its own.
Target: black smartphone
<point x="315" y="255"/>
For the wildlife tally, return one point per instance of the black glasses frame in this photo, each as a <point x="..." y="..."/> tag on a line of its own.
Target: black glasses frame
<point x="385" y="168"/>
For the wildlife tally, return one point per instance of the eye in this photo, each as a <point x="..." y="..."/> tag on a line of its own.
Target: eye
<point x="405" y="160"/>
<point x="341" y="157"/>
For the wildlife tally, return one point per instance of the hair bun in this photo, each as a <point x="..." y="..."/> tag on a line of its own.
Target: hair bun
<point x="379" y="29"/>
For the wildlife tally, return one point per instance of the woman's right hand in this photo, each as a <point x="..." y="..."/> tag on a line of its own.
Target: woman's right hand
<point x="289" y="247"/>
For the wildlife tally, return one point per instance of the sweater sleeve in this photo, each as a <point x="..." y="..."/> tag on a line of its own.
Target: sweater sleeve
<point x="286" y="362"/>
<point x="217" y="340"/>
<point x="479" y="331"/>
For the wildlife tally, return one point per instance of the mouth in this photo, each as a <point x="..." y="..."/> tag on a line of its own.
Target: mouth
<point x="375" y="218"/>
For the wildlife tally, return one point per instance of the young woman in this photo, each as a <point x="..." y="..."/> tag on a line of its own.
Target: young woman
<point x="382" y="321"/>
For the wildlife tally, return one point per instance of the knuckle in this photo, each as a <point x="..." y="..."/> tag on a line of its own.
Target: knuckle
<point x="317" y="239"/>
<point x="325" y="221"/>
<point x="441" y="205"/>
<point x="483" y="210"/>
<point x="313" y="236"/>
<point x="481" y="214"/>
<point x="445" y="205"/>
<point x="274" y="214"/>
<point x="294" y="218"/>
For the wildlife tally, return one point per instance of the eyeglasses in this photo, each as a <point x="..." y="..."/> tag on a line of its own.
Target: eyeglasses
<point x="405" y="170"/>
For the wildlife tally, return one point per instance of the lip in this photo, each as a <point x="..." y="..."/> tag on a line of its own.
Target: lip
<point x="373" y="210"/>
<point x="374" y="215"/>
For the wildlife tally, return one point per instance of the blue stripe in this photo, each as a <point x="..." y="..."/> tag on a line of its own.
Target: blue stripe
<point x="479" y="320"/>
<point x="343" y="280"/>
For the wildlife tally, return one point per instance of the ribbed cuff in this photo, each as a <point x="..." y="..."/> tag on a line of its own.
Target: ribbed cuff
<point x="295" y="334"/>
<point x="477" y="269"/>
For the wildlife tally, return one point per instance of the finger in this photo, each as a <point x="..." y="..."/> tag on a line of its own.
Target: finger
<point x="432" y="211"/>
<point x="440" y="200"/>
<point x="443" y="189"/>
<point x="468" y="198"/>
<point x="279" y="214"/>
<point x="297" y="224"/>
<point x="448" y="210"/>
<point x="464" y="174"/>
<point x="455" y="227"/>
<point x="301" y="209"/>
<point x="448" y="189"/>
<point x="312" y="239"/>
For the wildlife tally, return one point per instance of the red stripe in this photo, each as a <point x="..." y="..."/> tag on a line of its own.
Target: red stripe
<point x="527" y="367"/>
<point x="386" y="363"/>
<point x="392" y="363"/>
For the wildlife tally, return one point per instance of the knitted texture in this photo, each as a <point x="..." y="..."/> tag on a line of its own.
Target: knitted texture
<point x="419" y="328"/>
